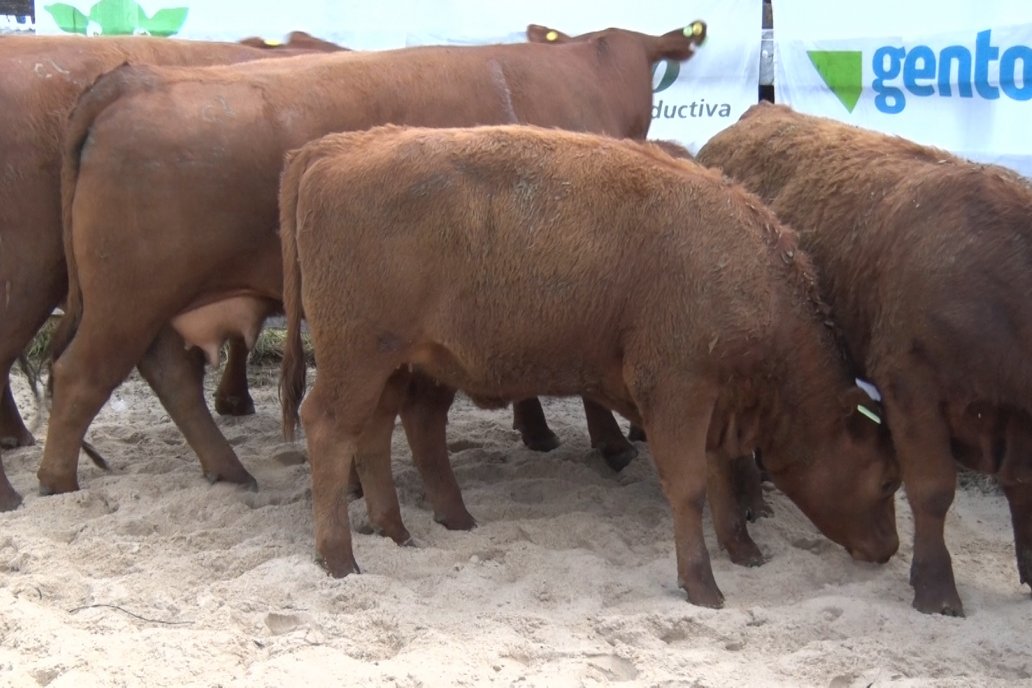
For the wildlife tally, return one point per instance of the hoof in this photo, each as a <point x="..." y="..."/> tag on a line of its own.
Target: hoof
<point x="755" y="512"/>
<point x="714" y="599"/>
<point x="544" y="443"/>
<point x="748" y="555"/>
<point x="234" y="405"/>
<point x="48" y="486"/>
<point x="339" y="567"/>
<point x="241" y="478"/>
<point x="463" y="521"/>
<point x="636" y="434"/>
<point x="950" y="606"/>
<point x="618" y="457"/>
<point x="10" y="500"/>
<point x="21" y="439"/>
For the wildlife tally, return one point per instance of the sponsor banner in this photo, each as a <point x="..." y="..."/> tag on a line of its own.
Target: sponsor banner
<point x="691" y="102"/>
<point x="960" y="80"/>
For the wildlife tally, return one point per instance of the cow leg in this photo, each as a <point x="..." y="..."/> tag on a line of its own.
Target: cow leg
<point x="232" y="397"/>
<point x="96" y="361"/>
<point x="13" y="432"/>
<point x="424" y="416"/>
<point x="1019" y="498"/>
<point x="677" y="425"/>
<point x="9" y="498"/>
<point x="177" y="377"/>
<point x="728" y="517"/>
<point x="529" y="418"/>
<point x="930" y="480"/>
<point x="373" y="464"/>
<point x="333" y="421"/>
<point x="748" y="488"/>
<point x="607" y="437"/>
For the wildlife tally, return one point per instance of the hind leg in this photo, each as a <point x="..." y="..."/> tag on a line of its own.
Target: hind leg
<point x="232" y="397"/>
<point x="373" y="464"/>
<point x="748" y="487"/>
<point x="334" y="419"/>
<point x="176" y="376"/>
<point x="97" y="360"/>
<point x="607" y="437"/>
<point x="1019" y="499"/>
<point x="13" y="432"/>
<point x="729" y="519"/>
<point x="529" y="419"/>
<point x="921" y="438"/>
<point x="425" y="416"/>
<point x="9" y="498"/>
<point x="677" y="424"/>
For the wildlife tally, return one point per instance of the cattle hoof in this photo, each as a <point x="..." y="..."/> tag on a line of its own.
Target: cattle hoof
<point x="234" y="405"/>
<point x="543" y="443"/>
<point x="340" y="567"/>
<point x="712" y="599"/>
<point x="618" y="457"/>
<point x="53" y="487"/>
<point x="948" y="607"/>
<point x="241" y="478"/>
<point x="9" y="501"/>
<point x="14" y="441"/>
<point x="463" y="521"/>
<point x="636" y="434"/>
<point x="757" y="511"/>
<point x="748" y="555"/>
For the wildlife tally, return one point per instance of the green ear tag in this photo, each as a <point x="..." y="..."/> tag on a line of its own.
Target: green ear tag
<point x="869" y="413"/>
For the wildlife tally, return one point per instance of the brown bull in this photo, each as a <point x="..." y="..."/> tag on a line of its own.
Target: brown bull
<point x="925" y="259"/>
<point x="296" y="40"/>
<point x="516" y="261"/>
<point x="174" y="172"/>
<point x="40" y="79"/>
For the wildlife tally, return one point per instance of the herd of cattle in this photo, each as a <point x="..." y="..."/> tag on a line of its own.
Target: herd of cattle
<point x="490" y="219"/>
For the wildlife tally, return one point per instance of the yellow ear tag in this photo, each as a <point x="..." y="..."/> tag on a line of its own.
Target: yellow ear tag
<point x="273" y="43"/>
<point x="551" y="35"/>
<point x="697" y="29"/>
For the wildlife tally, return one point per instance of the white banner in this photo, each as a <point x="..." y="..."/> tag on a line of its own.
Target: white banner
<point x="953" y="75"/>
<point x="692" y="100"/>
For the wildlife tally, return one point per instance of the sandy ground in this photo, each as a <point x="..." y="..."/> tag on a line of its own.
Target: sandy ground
<point x="150" y="576"/>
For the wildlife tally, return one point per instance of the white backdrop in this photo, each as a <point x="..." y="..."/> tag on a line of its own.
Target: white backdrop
<point x="957" y="75"/>
<point x="711" y="90"/>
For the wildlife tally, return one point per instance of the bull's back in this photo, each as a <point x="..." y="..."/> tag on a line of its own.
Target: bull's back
<point x="909" y="239"/>
<point x="596" y="242"/>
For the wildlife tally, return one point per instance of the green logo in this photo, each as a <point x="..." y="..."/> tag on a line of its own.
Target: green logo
<point x="117" y="18"/>
<point x="842" y="71"/>
<point x="671" y="69"/>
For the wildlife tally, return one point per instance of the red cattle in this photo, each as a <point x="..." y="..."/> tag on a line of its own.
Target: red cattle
<point x="40" y="78"/>
<point x="925" y="258"/>
<point x="296" y="40"/>
<point x="514" y="261"/>
<point x="174" y="172"/>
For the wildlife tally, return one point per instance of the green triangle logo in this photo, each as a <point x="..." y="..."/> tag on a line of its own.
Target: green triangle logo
<point x="842" y="71"/>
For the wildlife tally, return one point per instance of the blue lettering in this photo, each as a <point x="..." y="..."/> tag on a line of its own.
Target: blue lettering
<point x="888" y="62"/>
<point x="1009" y="71"/>
<point x="962" y="56"/>
<point x="984" y="54"/>
<point x="921" y="72"/>
<point x="920" y="64"/>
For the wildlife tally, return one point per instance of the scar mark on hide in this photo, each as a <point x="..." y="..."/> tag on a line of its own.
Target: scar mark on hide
<point x="502" y="84"/>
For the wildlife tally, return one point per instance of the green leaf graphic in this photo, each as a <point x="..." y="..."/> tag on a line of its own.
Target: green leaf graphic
<point x="842" y="71"/>
<point x="119" y="18"/>
<point x="68" y="18"/>
<point x="166" y="22"/>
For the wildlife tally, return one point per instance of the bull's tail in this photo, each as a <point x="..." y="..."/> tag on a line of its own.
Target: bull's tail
<point x="292" y="368"/>
<point x="107" y="88"/>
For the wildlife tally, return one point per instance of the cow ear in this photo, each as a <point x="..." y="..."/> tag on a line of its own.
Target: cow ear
<point x="542" y="34"/>
<point x="678" y="44"/>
